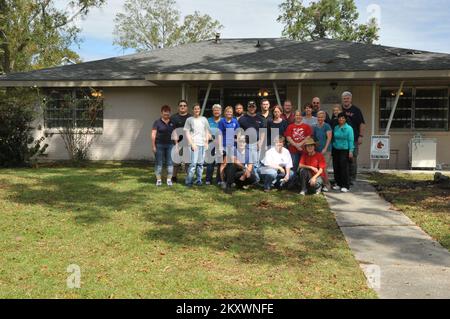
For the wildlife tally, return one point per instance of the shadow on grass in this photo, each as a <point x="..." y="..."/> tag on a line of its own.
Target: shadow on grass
<point x="255" y="227"/>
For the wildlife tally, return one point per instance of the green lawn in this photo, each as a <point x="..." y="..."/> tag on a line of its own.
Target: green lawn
<point x="422" y="201"/>
<point x="132" y="240"/>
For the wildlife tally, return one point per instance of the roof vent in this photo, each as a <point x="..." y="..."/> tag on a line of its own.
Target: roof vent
<point x="258" y="44"/>
<point x="217" y="40"/>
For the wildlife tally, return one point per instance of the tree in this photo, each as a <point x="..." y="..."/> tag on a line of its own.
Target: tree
<point x="17" y="144"/>
<point x="36" y="34"/>
<point x="153" y="24"/>
<point x="332" y="19"/>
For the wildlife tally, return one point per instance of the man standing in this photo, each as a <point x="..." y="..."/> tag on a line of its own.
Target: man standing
<point x="179" y="120"/>
<point x="251" y="123"/>
<point x="356" y="120"/>
<point x="198" y="133"/>
<point x="317" y="108"/>
<point x="238" y="111"/>
<point x="265" y="111"/>
<point x="288" y="115"/>
<point x="312" y="169"/>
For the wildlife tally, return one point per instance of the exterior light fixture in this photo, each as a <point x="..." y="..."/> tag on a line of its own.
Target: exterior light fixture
<point x="263" y="93"/>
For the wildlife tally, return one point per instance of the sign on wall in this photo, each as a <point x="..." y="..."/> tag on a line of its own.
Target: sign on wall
<point x="380" y="148"/>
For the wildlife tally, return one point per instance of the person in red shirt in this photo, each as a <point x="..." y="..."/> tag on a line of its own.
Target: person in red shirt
<point x="296" y="134"/>
<point x="312" y="169"/>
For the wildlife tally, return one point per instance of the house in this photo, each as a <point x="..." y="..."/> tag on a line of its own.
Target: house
<point x="227" y="71"/>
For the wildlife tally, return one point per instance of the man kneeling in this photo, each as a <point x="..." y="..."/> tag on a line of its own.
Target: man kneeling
<point x="312" y="169"/>
<point x="239" y="170"/>
<point x="277" y="166"/>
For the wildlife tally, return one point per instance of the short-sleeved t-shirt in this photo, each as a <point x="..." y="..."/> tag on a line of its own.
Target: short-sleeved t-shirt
<point x="179" y="121"/>
<point x="256" y="122"/>
<point x="198" y="128"/>
<point x="320" y="135"/>
<point x="310" y="121"/>
<point x="355" y="119"/>
<point x="317" y="160"/>
<point x="298" y="133"/>
<point x="213" y="125"/>
<point x="163" y="131"/>
<point x="273" y="158"/>
<point x="225" y="128"/>
<point x="266" y="119"/>
<point x="281" y="126"/>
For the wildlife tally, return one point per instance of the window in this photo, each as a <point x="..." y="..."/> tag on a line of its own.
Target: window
<point x="73" y="108"/>
<point x="418" y="108"/>
<point x="233" y="96"/>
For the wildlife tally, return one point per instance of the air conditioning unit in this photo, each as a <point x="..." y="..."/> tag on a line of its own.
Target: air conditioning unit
<point x="422" y="152"/>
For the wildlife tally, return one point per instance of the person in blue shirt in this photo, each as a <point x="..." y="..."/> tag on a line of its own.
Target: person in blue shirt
<point x="323" y="134"/>
<point x="227" y="131"/>
<point x="213" y="158"/>
<point x="343" y="146"/>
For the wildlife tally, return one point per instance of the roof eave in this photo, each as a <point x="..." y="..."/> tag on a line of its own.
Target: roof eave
<point x="299" y="76"/>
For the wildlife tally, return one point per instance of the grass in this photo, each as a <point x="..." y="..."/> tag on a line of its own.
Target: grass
<point x="421" y="200"/>
<point x="132" y="240"/>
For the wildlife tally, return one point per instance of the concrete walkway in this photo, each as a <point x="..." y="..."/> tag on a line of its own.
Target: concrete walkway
<point x="399" y="259"/>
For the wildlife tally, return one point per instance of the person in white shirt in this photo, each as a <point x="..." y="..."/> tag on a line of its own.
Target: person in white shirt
<point x="198" y="133"/>
<point x="277" y="165"/>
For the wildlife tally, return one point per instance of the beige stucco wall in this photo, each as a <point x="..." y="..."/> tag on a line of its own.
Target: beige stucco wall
<point x="128" y="118"/>
<point x="130" y="113"/>
<point x="362" y="97"/>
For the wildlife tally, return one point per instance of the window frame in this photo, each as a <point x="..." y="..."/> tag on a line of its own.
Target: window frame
<point x="74" y="118"/>
<point x="413" y="109"/>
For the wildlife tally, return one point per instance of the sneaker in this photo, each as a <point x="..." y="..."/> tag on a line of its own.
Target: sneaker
<point x="246" y="187"/>
<point x="325" y="189"/>
<point x="207" y="183"/>
<point x="169" y="183"/>
<point x="318" y="192"/>
<point x="198" y="184"/>
<point x="302" y="193"/>
<point x="223" y="185"/>
<point x="336" y="188"/>
<point x="158" y="182"/>
<point x="344" y="190"/>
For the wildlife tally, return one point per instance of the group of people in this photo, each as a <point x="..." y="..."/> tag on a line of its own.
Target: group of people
<point x="275" y="148"/>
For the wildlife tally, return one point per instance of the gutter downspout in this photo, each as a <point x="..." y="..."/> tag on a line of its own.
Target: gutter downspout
<point x="391" y="117"/>
<point x="206" y="98"/>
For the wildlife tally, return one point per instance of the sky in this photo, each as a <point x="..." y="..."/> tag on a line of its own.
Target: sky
<point x="415" y="24"/>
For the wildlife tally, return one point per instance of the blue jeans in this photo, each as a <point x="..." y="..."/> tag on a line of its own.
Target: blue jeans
<point x="163" y="152"/>
<point x="197" y="158"/>
<point x="211" y="167"/>
<point x="271" y="177"/>
<point x="295" y="161"/>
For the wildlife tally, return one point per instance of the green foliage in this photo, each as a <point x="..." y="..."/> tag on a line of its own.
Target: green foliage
<point x="332" y="19"/>
<point x="153" y="24"/>
<point x="17" y="144"/>
<point x="35" y="34"/>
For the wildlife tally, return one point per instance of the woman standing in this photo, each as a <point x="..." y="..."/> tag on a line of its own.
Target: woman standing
<point x="343" y="146"/>
<point x="276" y="126"/>
<point x="227" y="127"/>
<point x="323" y="135"/>
<point x="198" y="134"/>
<point x="214" y="126"/>
<point x="162" y="143"/>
